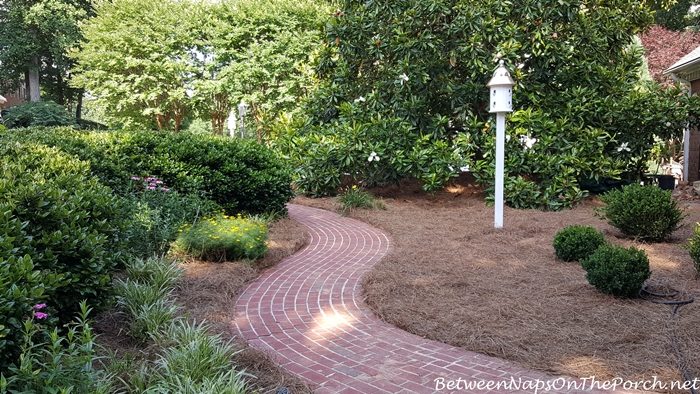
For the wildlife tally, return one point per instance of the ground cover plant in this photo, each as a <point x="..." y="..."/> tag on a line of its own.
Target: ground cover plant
<point x="505" y="293"/>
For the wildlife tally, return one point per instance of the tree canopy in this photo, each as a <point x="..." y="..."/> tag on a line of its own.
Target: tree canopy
<point x="405" y="79"/>
<point x="34" y="38"/>
<point x="161" y="61"/>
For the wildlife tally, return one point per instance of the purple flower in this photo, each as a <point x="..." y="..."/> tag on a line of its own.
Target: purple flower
<point x="151" y="188"/>
<point x="40" y="315"/>
<point x="39" y="306"/>
<point x="159" y="182"/>
<point x="135" y="178"/>
<point x="164" y="189"/>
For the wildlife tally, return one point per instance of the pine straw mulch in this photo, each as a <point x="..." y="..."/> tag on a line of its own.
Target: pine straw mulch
<point x="451" y="277"/>
<point x="208" y="292"/>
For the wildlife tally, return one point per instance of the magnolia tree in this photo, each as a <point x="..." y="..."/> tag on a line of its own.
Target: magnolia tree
<point x="402" y="94"/>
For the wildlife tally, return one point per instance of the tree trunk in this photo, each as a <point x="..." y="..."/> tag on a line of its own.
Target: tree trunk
<point x="33" y="80"/>
<point x="79" y="106"/>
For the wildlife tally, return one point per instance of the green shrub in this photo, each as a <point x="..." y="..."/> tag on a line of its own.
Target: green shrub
<point x="646" y="213"/>
<point x="70" y="223"/>
<point x="40" y="113"/>
<point x="694" y="247"/>
<point x="156" y="212"/>
<point x="239" y="175"/>
<point x="616" y="270"/>
<point x="224" y="237"/>
<point x="574" y="243"/>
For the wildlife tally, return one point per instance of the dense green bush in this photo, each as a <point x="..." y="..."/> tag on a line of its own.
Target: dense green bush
<point x="156" y="212"/>
<point x="575" y="243"/>
<point x="239" y="175"/>
<point x="616" y="270"/>
<point x="70" y="223"/>
<point x="646" y="213"/>
<point x="694" y="247"/>
<point x="222" y="237"/>
<point x="40" y="113"/>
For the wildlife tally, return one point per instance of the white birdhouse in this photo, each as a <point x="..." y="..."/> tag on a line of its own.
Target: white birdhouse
<point x="242" y="107"/>
<point x="501" y="84"/>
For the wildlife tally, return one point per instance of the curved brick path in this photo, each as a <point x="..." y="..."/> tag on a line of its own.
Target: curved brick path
<point x="308" y="312"/>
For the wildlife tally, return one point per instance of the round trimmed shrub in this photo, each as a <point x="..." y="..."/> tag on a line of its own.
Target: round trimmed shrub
<point x="575" y="243"/>
<point x="645" y="213"/>
<point x="616" y="270"/>
<point x="693" y="247"/>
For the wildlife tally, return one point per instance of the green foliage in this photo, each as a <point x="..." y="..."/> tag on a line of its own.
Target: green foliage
<point x="21" y="287"/>
<point x="239" y="175"/>
<point x="145" y="294"/>
<point x="156" y="212"/>
<point x="70" y="223"/>
<point x="575" y="242"/>
<point x="616" y="270"/>
<point x="646" y="213"/>
<point x="407" y="80"/>
<point x="54" y="363"/>
<point x="223" y="237"/>
<point x="189" y="360"/>
<point x="151" y="65"/>
<point x="35" y="35"/>
<point x="354" y="197"/>
<point x="40" y="113"/>
<point x="694" y="247"/>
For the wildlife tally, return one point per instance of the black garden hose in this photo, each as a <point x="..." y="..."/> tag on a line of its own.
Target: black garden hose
<point x="646" y="294"/>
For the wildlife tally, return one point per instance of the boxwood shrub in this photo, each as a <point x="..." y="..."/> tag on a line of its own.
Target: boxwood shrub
<point x="576" y="242"/>
<point x="239" y="175"/>
<point x="615" y="270"/>
<point x="646" y="213"/>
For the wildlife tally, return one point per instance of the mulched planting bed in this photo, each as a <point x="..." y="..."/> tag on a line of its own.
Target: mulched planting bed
<point x="208" y="292"/>
<point x="452" y="277"/>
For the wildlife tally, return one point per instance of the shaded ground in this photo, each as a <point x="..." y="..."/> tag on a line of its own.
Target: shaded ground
<point x="209" y="292"/>
<point x="453" y="278"/>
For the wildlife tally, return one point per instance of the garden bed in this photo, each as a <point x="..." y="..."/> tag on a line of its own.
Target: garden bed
<point x="208" y="292"/>
<point x="453" y="278"/>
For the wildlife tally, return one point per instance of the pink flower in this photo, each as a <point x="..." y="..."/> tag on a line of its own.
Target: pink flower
<point x="39" y="306"/>
<point x="164" y="189"/>
<point x="40" y="315"/>
<point x="135" y="178"/>
<point x="151" y="188"/>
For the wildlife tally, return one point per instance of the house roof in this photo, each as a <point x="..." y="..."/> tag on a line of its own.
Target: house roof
<point x="688" y="64"/>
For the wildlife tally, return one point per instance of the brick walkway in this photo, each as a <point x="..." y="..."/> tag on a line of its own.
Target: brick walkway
<point x="308" y="312"/>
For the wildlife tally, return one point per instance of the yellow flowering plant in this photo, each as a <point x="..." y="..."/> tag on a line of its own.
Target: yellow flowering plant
<point x="223" y="238"/>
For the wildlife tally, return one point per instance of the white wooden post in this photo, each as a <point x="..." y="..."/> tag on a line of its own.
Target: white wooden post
<point x="501" y="101"/>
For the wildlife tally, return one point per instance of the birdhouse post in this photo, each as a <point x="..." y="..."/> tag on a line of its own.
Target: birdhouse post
<point x="501" y="101"/>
